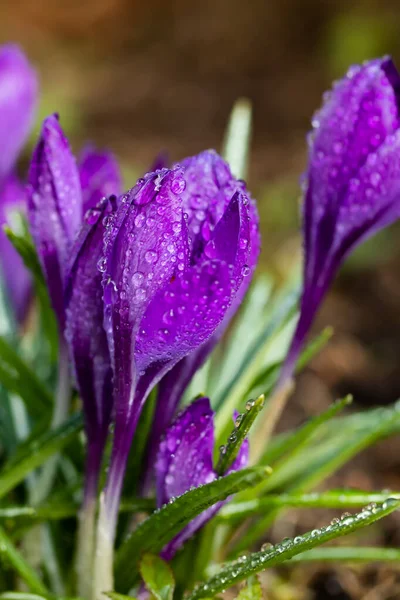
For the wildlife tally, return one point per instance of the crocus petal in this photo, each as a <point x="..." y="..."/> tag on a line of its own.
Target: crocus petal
<point x="185" y="461"/>
<point x="18" y="96"/>
<point x="16" y="276"/>
<point x="87" y="339"/>
<point x="100" y="177"/>
<point x="55" y="207"/>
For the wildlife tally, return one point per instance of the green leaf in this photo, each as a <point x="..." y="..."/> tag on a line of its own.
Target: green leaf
<point x="332" y="445"/>
<point x="246" y="566"/>
<point x="25" y="248"/>
<point x="21" y="596"/>
<point x="297" y="439"/>
<point x="300" y="438"/>
<point x="36" y="451"/>
<point x="237" y="388"/>
<point x="157" y="576"/>
<point x="164" y="524"/>
<point x="333" y="499"/>
<point x="348" y="554"/>
<point x="252" y="591"/>
<point x="18" y="377"/>
<point x="10" y="555"/>
<point x="116" y="596"/>
<point x="243" y="424"/>
<point x="237" y="139"/>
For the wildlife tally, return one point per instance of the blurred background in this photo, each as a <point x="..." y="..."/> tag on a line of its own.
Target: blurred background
<point x="140" y="77"/>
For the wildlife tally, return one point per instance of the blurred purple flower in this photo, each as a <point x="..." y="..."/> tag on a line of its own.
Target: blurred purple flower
<point x="185" y="461"/>
<point x="352" y="184"/>
<point x="18" y="98"/>
<point x="178" y="253"/>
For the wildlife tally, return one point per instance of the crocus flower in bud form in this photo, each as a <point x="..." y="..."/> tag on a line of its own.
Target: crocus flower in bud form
<point x="185" y="461"/>
<point x="100" y="176"/>
<point x="170" y="278"/>
<point x="16" y="276"/>
<point x="352" y="184"/>
<point x="54" y="206"/>
<point x="206" y="199"/>
<point x="87" y="339"/>
<point x="18" y="97"/>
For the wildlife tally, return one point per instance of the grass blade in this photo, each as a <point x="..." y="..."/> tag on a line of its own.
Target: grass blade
<point x="162" y="526"/>
<point x="246" y="566"/>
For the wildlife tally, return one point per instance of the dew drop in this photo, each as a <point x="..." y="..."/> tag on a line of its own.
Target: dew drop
<point x="245" y="270"/>
<point x="139" y="220"/>
<point x="150" y="256"/>
<point x="137" y="278"/>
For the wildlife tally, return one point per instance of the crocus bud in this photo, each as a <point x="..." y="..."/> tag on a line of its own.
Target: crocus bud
<point x="87" y="339"/>
<point x="55" y="207"/>
<point x="185" y="461"/>
<point x="18" y="97"/>
<point x="209" y="189"/>
<point x="352" y="184"/>
<point x="16" y="276"/>
<point x="178" y="252"/>
<point x="100" y="176"/>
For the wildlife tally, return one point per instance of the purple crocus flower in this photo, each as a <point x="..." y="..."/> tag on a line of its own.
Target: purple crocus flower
<point x="352" y="184"/>
<point x="177" y="255"/>
<point x="185" y="461"/>
<point x="55" y="207"/>
<point x="207" y="194"/>
<point x="18" y="98"/>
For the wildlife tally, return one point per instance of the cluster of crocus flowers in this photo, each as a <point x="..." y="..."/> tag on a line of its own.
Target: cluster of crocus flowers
<point x="18" y="98"/>
<point x="143" y="284"/>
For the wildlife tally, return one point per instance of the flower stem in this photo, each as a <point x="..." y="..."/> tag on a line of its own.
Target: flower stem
<point x="87" y="519"/>
<point x="61" y="408"/>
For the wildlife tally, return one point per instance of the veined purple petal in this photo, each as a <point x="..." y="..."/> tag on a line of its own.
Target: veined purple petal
<point x="352" y="183"/>
<point x="55" y="207"/>
<point x="18" y="97"/>
<point x="16" y="276"/>
<point x="99" y="175"/>
<point x="87" y="339"/>
<point x="185" y="461"/>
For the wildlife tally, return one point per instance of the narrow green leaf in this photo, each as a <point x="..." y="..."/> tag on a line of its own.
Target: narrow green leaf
<point x="237" y="140"/>
<point x="301" y="437"/>
<point x="332" y="499"/>
<point x="164" y="524"/>
<point x="348" y="554"/>
<point x="36" y="452"/>
<point x="10" y="555"/>
<point x="116" y="596"/>
<point x="157" y="576"/>
<point x="25" y="248"/>
<point x="21" y="596"/>
<point x="18" y="377"/>
<point x="252" y="591"/>
<point x="246" y="566"/>
<point x="332" y="445"/>
<point x="243" y="423"/>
